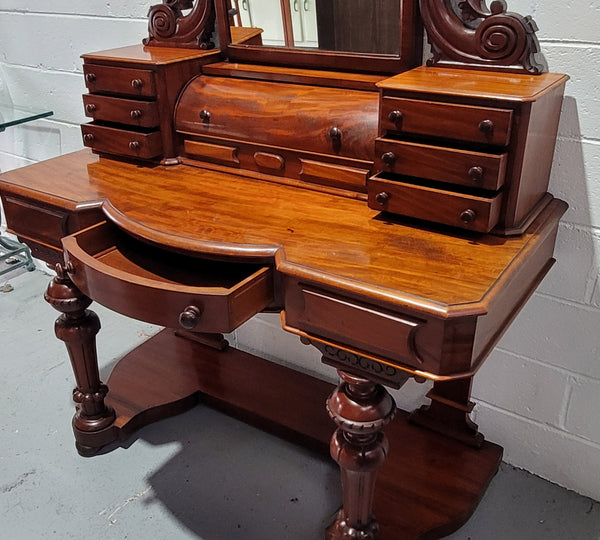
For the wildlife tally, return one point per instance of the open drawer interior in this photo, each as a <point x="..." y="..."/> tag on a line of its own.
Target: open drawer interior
<point x="163" y="287"/>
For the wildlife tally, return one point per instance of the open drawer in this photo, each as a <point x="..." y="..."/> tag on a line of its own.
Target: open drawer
<point x="162" y="287"/>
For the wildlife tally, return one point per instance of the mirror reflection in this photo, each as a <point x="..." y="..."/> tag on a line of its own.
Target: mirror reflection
<point x="361" y="26"/>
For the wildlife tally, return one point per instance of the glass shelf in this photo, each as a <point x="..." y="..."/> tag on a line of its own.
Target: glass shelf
<point x="13" y="254"/>
<point x="13" y="116"/>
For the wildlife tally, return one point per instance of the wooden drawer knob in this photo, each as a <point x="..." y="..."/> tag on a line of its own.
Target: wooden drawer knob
<point x="205" y="115"/>
<point x="486" y="126"/>
<point x="90" y="108"/>
<point x="389" y="158"/>
<point x="137" y="83"/>
<point x="468" y="216"/>
<point x="190" y="317"/>
<point x="88" y="138"/>
<point x="136" y="113"/>
<point x="382" y="198"/>
<point x="395" y="116"/>
<point x="476" y="174"/>
<point x="335" y="133"/>
<point x="134" y="145"/>
<point x="90" y="77"/>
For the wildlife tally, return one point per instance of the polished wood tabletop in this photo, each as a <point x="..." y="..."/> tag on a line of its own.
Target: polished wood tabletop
<point x="213" y="213"/>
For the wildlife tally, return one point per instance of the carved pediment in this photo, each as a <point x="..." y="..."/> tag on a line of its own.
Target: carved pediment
<point x="466" y="33"/>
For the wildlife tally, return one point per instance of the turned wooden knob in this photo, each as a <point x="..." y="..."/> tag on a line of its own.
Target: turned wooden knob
<point x="90" y="77"/>
<point x="335" y="133"/>
<point x="382" y="198"/>
<point x="190" y="317"/>
<point x="88" y="138"/>
<point x="476" y="173"/>
<point x="134" y="145"/>
<point x="90" y="108"/>
<point x="468" y="216"/>
<point x="395" y="116"/>
<point x="389" y="158"/>
<point x="137" y="83"/>
<point x="135" y="114"/>
<point x="204" y="115"/>
<point x="486" y="126"/>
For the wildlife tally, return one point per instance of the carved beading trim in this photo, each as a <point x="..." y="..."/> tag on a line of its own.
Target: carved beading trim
<point x="169" y="27"/>
<point x="465" y="33"/>
<point x="370" y="368"/>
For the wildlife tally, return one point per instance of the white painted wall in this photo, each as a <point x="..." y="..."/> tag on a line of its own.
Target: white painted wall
<point x="539" y="393"/>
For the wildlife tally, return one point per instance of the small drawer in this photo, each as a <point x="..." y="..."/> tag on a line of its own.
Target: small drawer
<point x="162" y="287"/>
<point x="42" y="224"/>
<point x="118" y="80"/>
<point x="122" y="111"/>
<point x="213" y="152"/>
<point x="123" y="142"/>
<point x="332" y="174"/>
<point x="446" y="120"/>
<point x="463" y="167"/>
<point x="360" y="326"/>
<point x="429" y="203"/>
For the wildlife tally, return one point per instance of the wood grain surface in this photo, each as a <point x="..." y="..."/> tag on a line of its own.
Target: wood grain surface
<point x="441" y="271"/>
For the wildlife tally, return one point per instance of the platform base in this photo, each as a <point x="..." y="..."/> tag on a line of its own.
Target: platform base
<point x="427" y="488"/>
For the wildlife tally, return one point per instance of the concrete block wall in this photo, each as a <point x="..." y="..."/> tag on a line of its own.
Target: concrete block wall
<point x="539" y="393"/>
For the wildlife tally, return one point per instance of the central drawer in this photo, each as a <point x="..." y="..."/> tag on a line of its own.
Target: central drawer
<point x="311" y="119"/>
<point x="165" y="288"/>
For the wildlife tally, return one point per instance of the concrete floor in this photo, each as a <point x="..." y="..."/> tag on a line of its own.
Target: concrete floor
<point x="200" y="475"/>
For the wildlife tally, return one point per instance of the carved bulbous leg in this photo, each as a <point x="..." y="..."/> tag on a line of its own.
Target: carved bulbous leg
<point x="361" y="409"/>
<point x="77" y="327"/>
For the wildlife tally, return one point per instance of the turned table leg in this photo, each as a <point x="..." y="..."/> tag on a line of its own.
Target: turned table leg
<point x="361" y="409"/>
<point x="77" y="327"/>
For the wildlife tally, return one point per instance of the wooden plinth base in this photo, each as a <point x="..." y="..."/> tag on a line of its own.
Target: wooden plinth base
<point x="427" y="488"/>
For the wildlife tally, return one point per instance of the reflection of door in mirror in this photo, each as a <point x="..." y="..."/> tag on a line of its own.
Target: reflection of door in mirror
<point x="265" y="14"/>
<point x="362" y="26"/>
<point x="275" y="17"/>
<point x="304" y="22"/>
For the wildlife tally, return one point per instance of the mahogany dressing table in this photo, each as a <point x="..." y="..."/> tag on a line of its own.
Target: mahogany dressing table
<point x="396" y="217"/>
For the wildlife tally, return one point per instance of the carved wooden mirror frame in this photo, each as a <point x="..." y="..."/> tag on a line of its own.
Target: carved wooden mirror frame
<point x="462" y="33"/>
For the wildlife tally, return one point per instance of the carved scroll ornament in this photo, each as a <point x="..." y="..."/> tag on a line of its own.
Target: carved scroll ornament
<point x="169" y="27"/>
<point x="465" y="33"/>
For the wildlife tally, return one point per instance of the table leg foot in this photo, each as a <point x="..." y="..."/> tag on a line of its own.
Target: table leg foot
<point x="340" y="529"/>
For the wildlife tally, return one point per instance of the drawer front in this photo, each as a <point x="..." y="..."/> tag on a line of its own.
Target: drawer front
<point x="311" y="119"/>
<point x="121" y="141"/>
<point x="43" y="224"/>
<point x="447" y="207"/>
<point x="365" y="327"/>
<point x="473" y="169"/>
<point x="120" y="110"/>
<point x="213" y="152"/>
<point x="280" y="163"/>
<point x="118" y="80"/>
<point x="446" y="120"/>
<point x="162" y="287"/>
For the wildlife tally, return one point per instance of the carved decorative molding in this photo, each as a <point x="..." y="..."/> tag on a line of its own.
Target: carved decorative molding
<point x="169" y="27"/>
<point x="465" y="33"/>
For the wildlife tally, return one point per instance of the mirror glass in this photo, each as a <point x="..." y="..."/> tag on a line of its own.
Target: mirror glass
<point x="359" y="26"/>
